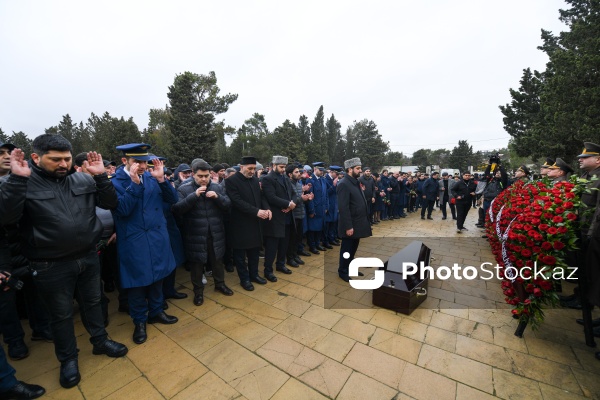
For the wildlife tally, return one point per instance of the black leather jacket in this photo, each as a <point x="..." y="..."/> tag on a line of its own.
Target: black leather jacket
<point x="57" y="216"/>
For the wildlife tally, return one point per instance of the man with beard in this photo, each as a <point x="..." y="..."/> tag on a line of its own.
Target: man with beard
<point x="201" y="206"/>
<point x="143" y="242"/>
<point x="463" y="191"/>
<point x="317" y="209"/>
<point x="299" y="214"/>
<point x="54" y="201"/>
<point x="282" y="200"/>
<point x="367" y="181"/>
<point x="354" y="222"/>
<point x="248" y="210"/>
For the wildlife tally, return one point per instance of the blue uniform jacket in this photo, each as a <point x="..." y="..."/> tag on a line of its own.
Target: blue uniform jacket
<point x="332" y="209"/>
<point x="144" y="247"/>
<point x="318" y="205"/>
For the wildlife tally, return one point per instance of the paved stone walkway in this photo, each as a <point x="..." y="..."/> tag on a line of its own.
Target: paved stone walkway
<point x="278" y="342"/>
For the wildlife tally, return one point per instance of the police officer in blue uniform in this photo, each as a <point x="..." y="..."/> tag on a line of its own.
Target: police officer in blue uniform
<point x="144" y="247"/>
<point x="317" y="209"/>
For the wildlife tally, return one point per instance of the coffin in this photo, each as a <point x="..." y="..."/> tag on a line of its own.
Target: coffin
<point x="404" y="295"/>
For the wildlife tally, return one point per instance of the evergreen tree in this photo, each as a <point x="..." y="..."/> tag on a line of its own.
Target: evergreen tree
<point x="21" y="141"/>
<point x="287" y="141"/>
<point x="304" y="129"/>
<point x="462" y="156"/>
<point x="368" y="145"/>
<point x="3" y="136"/>
<point x="333" y="135"/>
<point x="318" y="141"/>
<point x="194" y="102"/>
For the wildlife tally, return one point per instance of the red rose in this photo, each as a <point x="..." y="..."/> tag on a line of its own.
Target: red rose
<point x="571" y="217"/>
<point x="516" y="312"/>
<point x="552" y="231"/>
<point x="568" y="205"/>
<point x="548" y="215"/>
<point x="558" y="245"/>
<point x="536" y="249"/>
<point x="512" y="258"/>
<point x="527" y="302"/>
<point x="529" y="243"/>
<point x="537" y="214"/>
<point x="526" y="253"/>
<point x="558" y="219"/>
<point x="569" y="195"/>
<point x="546" y="245"/>
<point x="562" y="229"/>
<point x="559" y="210"/>
<point x="543" y="227"/>
<point x="529" y="263"/>
<point x="550" y="260"/>
<point x="537" y="292"/>
<point x="514" y="301"/>
<point x="546" y="285"/>
<point x="529" y="288"/>
<point x="526" y="273"/>
<point x="520" y="263"/>
<point x="509" y="292"/>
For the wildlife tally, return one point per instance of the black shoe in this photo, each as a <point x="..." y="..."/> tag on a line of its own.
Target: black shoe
<point x="403" y="216"/>
<point x="69" y="373"/>
<point x="292" y="263"/>
<point x="224" y="289"/>
<point x="247" y="285"/>
<point x="261" y="254"/>
<point x="595" y="322"/>
<point x="23" y="390"/>
<point x="18" y="351"/>
<point x="304" y="253"/>
<point x="139" y="333"/>
<point x="299" y="260"/>
<point x="259" y="279"/>
<point x="574" y="304"/>
<point x="444" y="218"/>
<point x="484" y="236"/>
<point x="360" y="274"/>
<point x="454" y="218"/>
<point x="570" y="297"/>
<point x="165" y="305"/>
<point x="422" y="217"/>
<point x="42" y="337"/>
<point x="429" y="217"/>
<point x="320" y="248"/>
<point x="110" y="348"/>
<point x="163" y="318"/>
<point x="271" y="277"/>
<point x="314" y="251"/>
<point x="336" y="243"/>
<point x="229" y="268"/>
<point x="327" y="246"/>
<point x="597" y="355"/>
<point x="463" y="229"/>
<point x="109" y="287"/>
<point x="124" y="308"/>
<point x="177" y="296"/>
<point x="345" y="278"/>
<point x="284" y="269"/>
<point x="198" y="299"/>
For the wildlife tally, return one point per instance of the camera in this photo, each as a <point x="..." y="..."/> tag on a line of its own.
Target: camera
<point x="9" y="281"/>
<point x="495" y="159"/>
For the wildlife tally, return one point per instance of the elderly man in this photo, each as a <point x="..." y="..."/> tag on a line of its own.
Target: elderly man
<point x="201" y="206"/>
<point x="248" y="209"/>
<point x="143" y="242"/>
<point x="49" y="202"/>
<point x="282" y="199"/>
<point x="354" y="222"/>
<point x="559" y="171"/>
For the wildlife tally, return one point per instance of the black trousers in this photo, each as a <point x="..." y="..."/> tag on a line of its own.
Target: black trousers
<point x="462" y="209"/>
<point x="429" y="204"/>
<point x="276" y="250"/>
<point x="445" y="201"/>
<point x="197" y="269"/>
<point x="295" y="239"/>
<point x="348" y="246"/>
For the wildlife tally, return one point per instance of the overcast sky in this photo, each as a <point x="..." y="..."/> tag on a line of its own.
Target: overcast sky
<point x="428" y="73"/>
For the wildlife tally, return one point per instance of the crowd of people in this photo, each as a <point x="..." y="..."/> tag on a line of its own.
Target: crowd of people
<point x="77" y="227"/>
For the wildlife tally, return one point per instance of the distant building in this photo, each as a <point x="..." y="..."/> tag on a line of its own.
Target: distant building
<point x="401" y="168"/>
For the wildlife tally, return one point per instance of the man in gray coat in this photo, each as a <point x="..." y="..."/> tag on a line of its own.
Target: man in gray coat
<point x="353" y="223"/>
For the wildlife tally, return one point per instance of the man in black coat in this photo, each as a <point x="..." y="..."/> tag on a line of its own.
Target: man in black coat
<point x="353" y="223"/>
<point x="369" y="184"/>
<point x="430" y="194"/>
<point x="201" y="205"/>
<point x="248" y="210"/>
<point x="282" y="199"/>
<point x="463" y="192"/>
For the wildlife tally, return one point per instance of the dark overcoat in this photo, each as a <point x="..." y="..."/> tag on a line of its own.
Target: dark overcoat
<point x="278" y="191"/>
<point x="332" y="211"/>
<point x="143" y="242"/>
<point x="198" y="216"/>
<point x="318" y="205"/>
<point x="430" y="189"/>
<point x="353" y="208"/>
<point x="246" y="200"/>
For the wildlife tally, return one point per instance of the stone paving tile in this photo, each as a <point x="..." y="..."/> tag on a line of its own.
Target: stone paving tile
<point x="554" y="393"/>
<point x="462" y="369"/>
<point x="188" y="337"/>
<point x="361" y="387"/>
<point x="354" y="329"/>
<point x="590" y="384"/>
<point x="93" y="386"/>
<point x="252" y="335"/>
<point x="375" y="364"/>
<point x="440" y="338"/>
<point x="423" y="384"/>
<point x="292" y="305"/>
<point x="139" y="388"/>
<point x="322" y="317"/>
<point x="510" y="386"/>
<point x="260" y="384"/>
<point x="464" y="392"/>
<point x="396" y="345"/>
<point x="386" y="319"/>
<point x="295" y="390"/>
<point x="209" y="386"/>
<point x="334" y="345"/>
<point x="302" y="331"/>
<point x="230" y="361"/>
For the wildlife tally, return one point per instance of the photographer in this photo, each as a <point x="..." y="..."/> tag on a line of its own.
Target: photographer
<point x="496" y="180"/>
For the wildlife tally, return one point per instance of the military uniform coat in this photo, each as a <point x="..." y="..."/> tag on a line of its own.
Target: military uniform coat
<point x="143" y="242"/>
<point x="318" y="205"/>
<point x="332" y="209"/>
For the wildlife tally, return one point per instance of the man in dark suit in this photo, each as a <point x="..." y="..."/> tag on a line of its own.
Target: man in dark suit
<point x="248" y="209"/>
<point x="430" y="195"/>
<point x="354" y="222"/>
<point x="282" y="199"/>
<point x="463" y="191"/>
